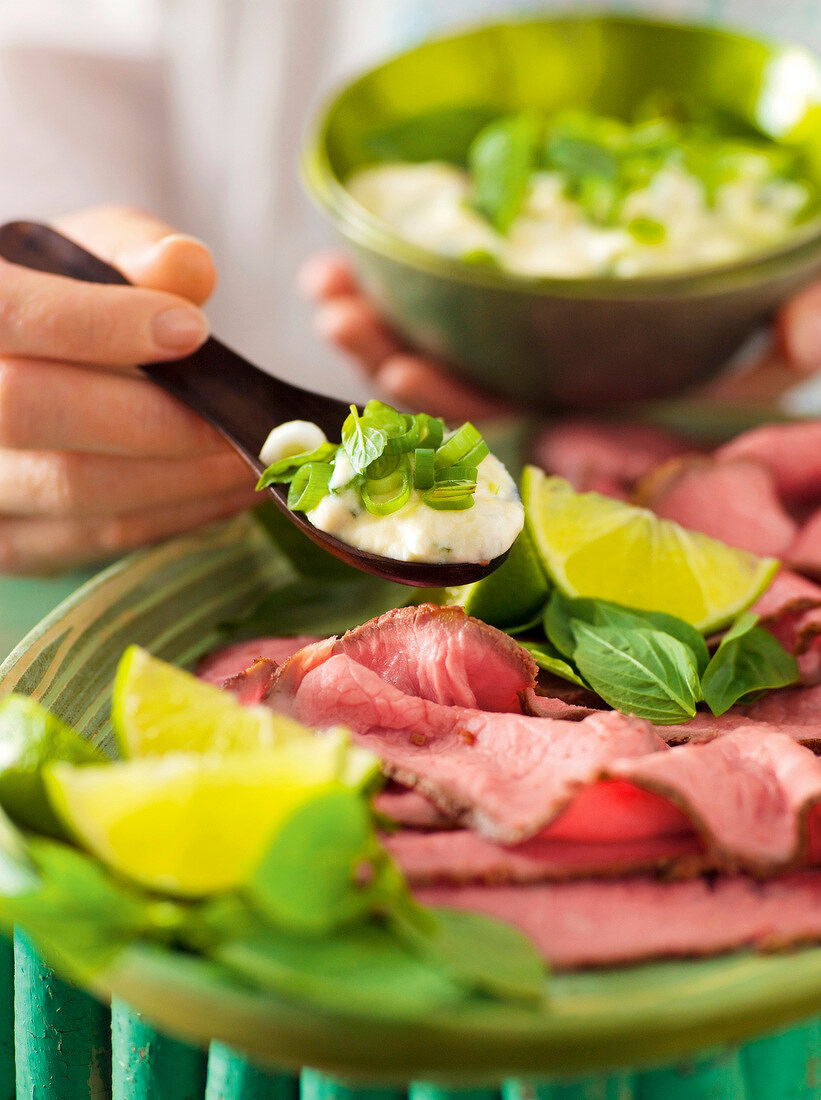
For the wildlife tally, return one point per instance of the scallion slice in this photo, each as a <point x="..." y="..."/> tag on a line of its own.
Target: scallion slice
<point x="284" y="469"/>
<point x="309" y="486"/>
<point x="461" y="443"/>
<point x="423" y="467"/>
<point x="385" y="495"/>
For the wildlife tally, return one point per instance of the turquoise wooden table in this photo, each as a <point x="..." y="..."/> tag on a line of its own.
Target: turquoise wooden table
<point x="58" y="1043"/>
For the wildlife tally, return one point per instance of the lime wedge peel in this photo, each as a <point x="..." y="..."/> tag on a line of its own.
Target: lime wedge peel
<point x="192" y="824"/>
<point x="594" y="546"/>
<point x="158" y="708"/>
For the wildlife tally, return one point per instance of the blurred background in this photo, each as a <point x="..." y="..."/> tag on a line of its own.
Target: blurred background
<point x="196" y="109"/>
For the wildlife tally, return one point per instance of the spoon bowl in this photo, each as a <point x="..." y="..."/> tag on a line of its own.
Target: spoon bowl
<point x="241" y="401"/>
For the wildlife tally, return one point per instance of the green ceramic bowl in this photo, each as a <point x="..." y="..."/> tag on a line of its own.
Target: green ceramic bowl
<point x="565" y="343"/>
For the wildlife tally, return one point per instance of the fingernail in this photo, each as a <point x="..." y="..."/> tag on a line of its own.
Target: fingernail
<point x="178" y="329"/>
<point x="804" y="339"/>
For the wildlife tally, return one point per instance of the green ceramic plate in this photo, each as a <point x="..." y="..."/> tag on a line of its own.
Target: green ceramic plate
<point x="170" y="599"/>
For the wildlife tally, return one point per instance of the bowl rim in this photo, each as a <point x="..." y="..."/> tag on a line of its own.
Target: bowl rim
<point x="800" y="246"/>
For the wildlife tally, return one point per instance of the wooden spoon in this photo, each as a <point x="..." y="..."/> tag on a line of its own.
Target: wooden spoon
<point x="242" y="402"/>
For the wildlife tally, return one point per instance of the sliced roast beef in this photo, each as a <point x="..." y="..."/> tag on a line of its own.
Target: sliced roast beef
<point x="607" y="458"/>
<point x="706" y="727"/>
<point x="748" y="794"/>
<point x="734" y="500"/>
<point x="804" y="553"/>
<point x="222" y="664"/>
<point x="253" y="684"/>
<point x="408" y="807"/>
<point x="789" y="706"/>
<point x="505" y="774"/>
<point x="460" y="856"/>
<point x="551" y="706"/>
<point x="605" y="922"/>
<point x="787" y="594"/>
<point x="791" y="451"/>
<point x="431" y="652"/>
<point x="442" y="654"/>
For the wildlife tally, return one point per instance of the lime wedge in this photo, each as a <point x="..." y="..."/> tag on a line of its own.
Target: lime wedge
<point x="513" y="594"/>
<point x="594" y="546"/>
<point x="30" y="738"/>
<point x="191" y="824"/>
<point x="158" y="708"/>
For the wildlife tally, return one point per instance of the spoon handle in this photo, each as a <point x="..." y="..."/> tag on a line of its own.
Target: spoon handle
<point x="239" y="400"/>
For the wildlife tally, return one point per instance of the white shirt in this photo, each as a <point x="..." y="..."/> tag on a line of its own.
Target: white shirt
<point x="196" y="110"/>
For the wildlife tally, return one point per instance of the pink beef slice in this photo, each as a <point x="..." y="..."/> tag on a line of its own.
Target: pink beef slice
<point x="253" y="684"/>
<point x="748" y="794"/>
<point x="733" y="500"/>
<point x="408" y="807"/>
<point x="705" y="727"/>
<point x="604" y="922"/>
<point x="507" y="775"/>
<point x="791" y="451"/>
<point x="444" y="655"/>
<point x="550" y="706"/>
<point x="787" y="594"/>
<point x="459" y="856"/>
<point x="602" y="457"/>
<point x="804" y="553"/>
<point x="224" y="663"/>
<point x="799" y="706"/>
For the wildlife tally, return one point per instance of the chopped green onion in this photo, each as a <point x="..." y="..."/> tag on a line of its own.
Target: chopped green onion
<point x="382" y="466"/>
<point x="474" y="457"/>
<point x="461" y="474"/>
<point x="423" y="468"/>
<point x="431" y="429"/>
<point x="284" y="469"/>
<point x="408" y="439"/>
<point x="385" y="495"/>
<point x="309" y="486"/>
<point x="460" y="444"/>
<point x="443" y="500"/>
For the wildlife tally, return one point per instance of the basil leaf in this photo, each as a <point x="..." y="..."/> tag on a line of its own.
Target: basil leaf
<point x="324" y="867"/>
<point x="501" y="159"/>
<point x="481" y="954"/>
<point x="364" y="969"/>
<point x="284" y="469"/>
<point x="548" y="657"/>
<point x="562" y="609"/>
<point x="749" y="659"/>
<point x="442" y="134"/>
<point x="362" y="440"/>
<point x="641" y="672"/>
<point x="79" y="916"/>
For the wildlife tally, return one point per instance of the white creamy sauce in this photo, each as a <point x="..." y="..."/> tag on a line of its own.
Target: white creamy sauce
<point x="427" y="204"/>
<point x="418" y="533"/>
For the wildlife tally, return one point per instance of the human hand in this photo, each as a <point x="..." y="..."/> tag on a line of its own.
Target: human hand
<point x="94" y="459"/>
<point x="346" y="319"/>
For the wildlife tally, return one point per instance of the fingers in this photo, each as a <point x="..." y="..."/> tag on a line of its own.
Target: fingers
<point x="71" y="483"/>
<point x="34" y="546"/>
<point x="46" y="405"/>
<point x="51" y="317"/>
<point x="347" y="320"/>
<point x="148" y="251"/>
<point x="799" y="330"/>
<point x="325" y="275"/>
<point x="420" y="383"/>
<point x="351" y="324"/>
